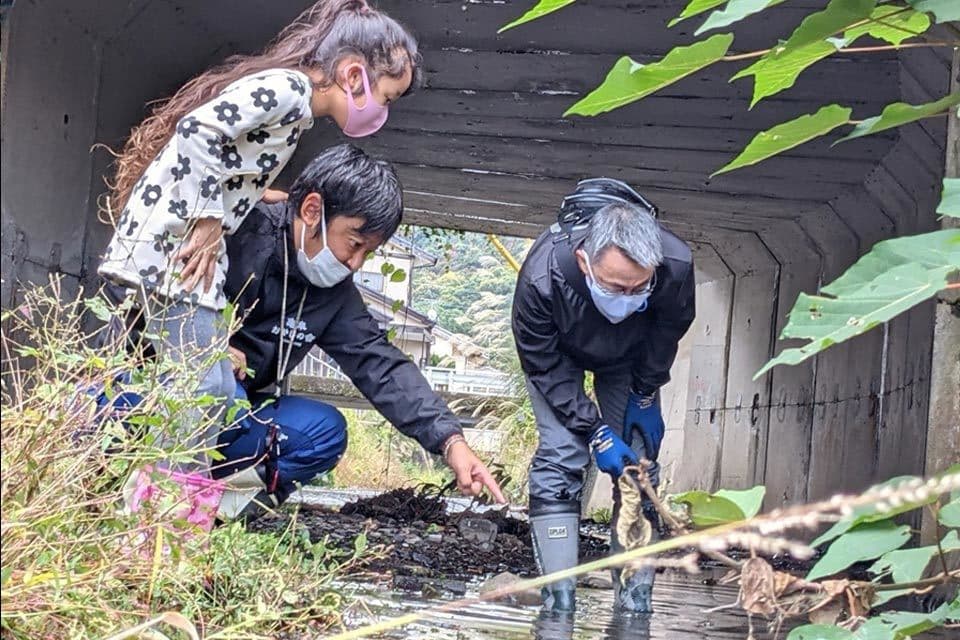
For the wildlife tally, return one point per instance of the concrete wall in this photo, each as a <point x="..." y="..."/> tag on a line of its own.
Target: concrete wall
<point x="50" y="109"/>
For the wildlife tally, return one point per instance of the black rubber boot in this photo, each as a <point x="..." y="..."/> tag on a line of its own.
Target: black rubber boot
<point x="555" y="529"/>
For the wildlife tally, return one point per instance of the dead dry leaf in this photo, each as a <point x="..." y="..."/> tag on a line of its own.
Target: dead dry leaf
<point x="829" y="613"/>
<point x="757" y="593"/>
<point x="633" y="530"/>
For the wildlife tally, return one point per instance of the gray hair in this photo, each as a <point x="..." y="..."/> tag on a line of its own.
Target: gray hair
<point x="629" y="228"/>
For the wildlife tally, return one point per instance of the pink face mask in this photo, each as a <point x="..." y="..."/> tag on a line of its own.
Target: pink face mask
<point x="364" y="121"/>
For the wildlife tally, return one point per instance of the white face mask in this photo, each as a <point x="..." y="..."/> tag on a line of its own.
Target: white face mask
<point x="323" y="270"/>
<point x="615" y="307"/>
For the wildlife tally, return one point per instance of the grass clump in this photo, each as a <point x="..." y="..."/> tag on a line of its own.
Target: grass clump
<point x="75" y="564"/>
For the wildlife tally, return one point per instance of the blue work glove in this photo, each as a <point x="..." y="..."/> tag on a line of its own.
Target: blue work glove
<point x="610" y="452"/>
<point x="643" y="416"/>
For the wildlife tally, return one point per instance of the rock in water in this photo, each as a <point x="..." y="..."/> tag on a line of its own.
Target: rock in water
<point x="526" y="598"/>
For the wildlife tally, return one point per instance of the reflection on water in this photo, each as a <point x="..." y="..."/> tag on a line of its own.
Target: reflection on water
<point x="680" y="603"/>
<point x="685" y="609"/>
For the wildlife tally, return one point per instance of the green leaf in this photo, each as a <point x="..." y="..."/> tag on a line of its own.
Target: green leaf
<point x="901" y="113"/>
<point x="907" y="565"/>
<point x="749" y="500"/>
<point x="902" y="625"/>
<point x="360" y="543"/>
<point x="695" y="8"/>
<point x="398" y="276"/>
<point x="950" y="199"/>
<point x="396" y="306"/>
<point x="229" y="313"/>
<point x="943" y="10"/>
<point x="836" y="18"/>
<point x="98" y="307"/>
<point x="708" y="510"/>
<point x="870" y="513"/>
<point x="539" y="10"/>
<point x="778" y="71"/>
<point x="891" y="23"/>
<point x="735" y="11"/>
<point x="629" y="81"/>
<point x="894" y="276"/>
<point x="820" y="632"/>
<point x="789" y="135"/>
<point x="950" y="514"/>
<point x="386" y="268"/>
<point x="863" y="542"/>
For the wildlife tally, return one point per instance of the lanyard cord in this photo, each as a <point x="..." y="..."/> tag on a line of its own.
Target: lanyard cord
<point x="283" y="361"/>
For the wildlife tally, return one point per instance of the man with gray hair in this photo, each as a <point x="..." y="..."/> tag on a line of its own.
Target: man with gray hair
<point x="608" y="290"/>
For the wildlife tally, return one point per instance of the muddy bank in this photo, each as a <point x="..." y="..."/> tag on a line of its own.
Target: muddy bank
<point x="417" y="541"/>
<point x="418" y="544"/>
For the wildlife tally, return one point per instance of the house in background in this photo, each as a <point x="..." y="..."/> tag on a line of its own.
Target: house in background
<point x="456" y="351"/>
<point x="386" y="284"/>
<point x="410" y="331"/>
<point x="380" y="272"/>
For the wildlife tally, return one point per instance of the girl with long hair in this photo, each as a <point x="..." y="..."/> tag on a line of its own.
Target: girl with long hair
<point x="194" y="169"/>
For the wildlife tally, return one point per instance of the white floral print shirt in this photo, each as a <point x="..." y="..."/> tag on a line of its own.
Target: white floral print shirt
<point x="222" y="157"/>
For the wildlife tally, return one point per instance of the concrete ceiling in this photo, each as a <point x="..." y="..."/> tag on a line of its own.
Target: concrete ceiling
<point x="485" y="137"/>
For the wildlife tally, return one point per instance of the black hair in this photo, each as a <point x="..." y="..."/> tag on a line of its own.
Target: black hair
<point x="353" y="184"/>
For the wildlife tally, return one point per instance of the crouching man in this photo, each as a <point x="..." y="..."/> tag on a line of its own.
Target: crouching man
<point x="607" y="290"/>
<point x="290" y="272"/>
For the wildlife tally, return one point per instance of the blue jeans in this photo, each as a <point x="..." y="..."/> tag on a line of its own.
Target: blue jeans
<point x="291" y="440"/>
<point x="295" y="439"/>
<point x="194" y="336"/>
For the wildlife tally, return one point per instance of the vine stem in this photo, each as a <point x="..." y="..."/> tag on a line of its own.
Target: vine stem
<point x="942" y="578"/>
<point x="645" y="486"/>
<point x="884" y="47"/>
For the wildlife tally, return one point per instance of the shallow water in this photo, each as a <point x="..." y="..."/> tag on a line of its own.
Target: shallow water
<point x="680" y="605"/>
<point x="685" y="607"/>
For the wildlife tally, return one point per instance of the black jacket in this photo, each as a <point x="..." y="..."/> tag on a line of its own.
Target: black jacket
<point x="335" y="319"/>
<point x="560" y="333"/>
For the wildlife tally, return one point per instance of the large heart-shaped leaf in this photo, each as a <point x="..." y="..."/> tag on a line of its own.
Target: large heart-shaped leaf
<point x="870" y="512"/>
<point x="950" y="514"/>
<point x="539" y="10"/>
<point x="950" y="198"/>
<point x="907" y="565"/>
<point x="820" y="632"/>
<point x="839" y="16"/>
<point x="708" y="510"/>
<point x="749" y="500"/>
<point x="901" y="113"/>
<point x="695" y="8"/>
<point x="735" y="11"/>
<point x="942" y="10"/>
<point x="789" y="135"/>
<point x="778" y="71"/>
<point x="628" y="80"/>
<point x="863" y="542"/>
<point x="894" y="276"/>
<point x="903" y="625"/>
<point x="891" y="23"/>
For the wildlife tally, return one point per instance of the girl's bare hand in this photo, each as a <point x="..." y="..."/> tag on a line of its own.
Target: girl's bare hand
<point x="200" y="254"/>
<point x="273" y="195"/>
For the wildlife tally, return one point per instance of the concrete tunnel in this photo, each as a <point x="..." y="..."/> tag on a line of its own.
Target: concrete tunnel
<point x="483" y="147"/>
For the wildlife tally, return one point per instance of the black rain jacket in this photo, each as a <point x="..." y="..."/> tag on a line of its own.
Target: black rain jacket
<point x="334" y="319"/>
<point x="560" y="334"/>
